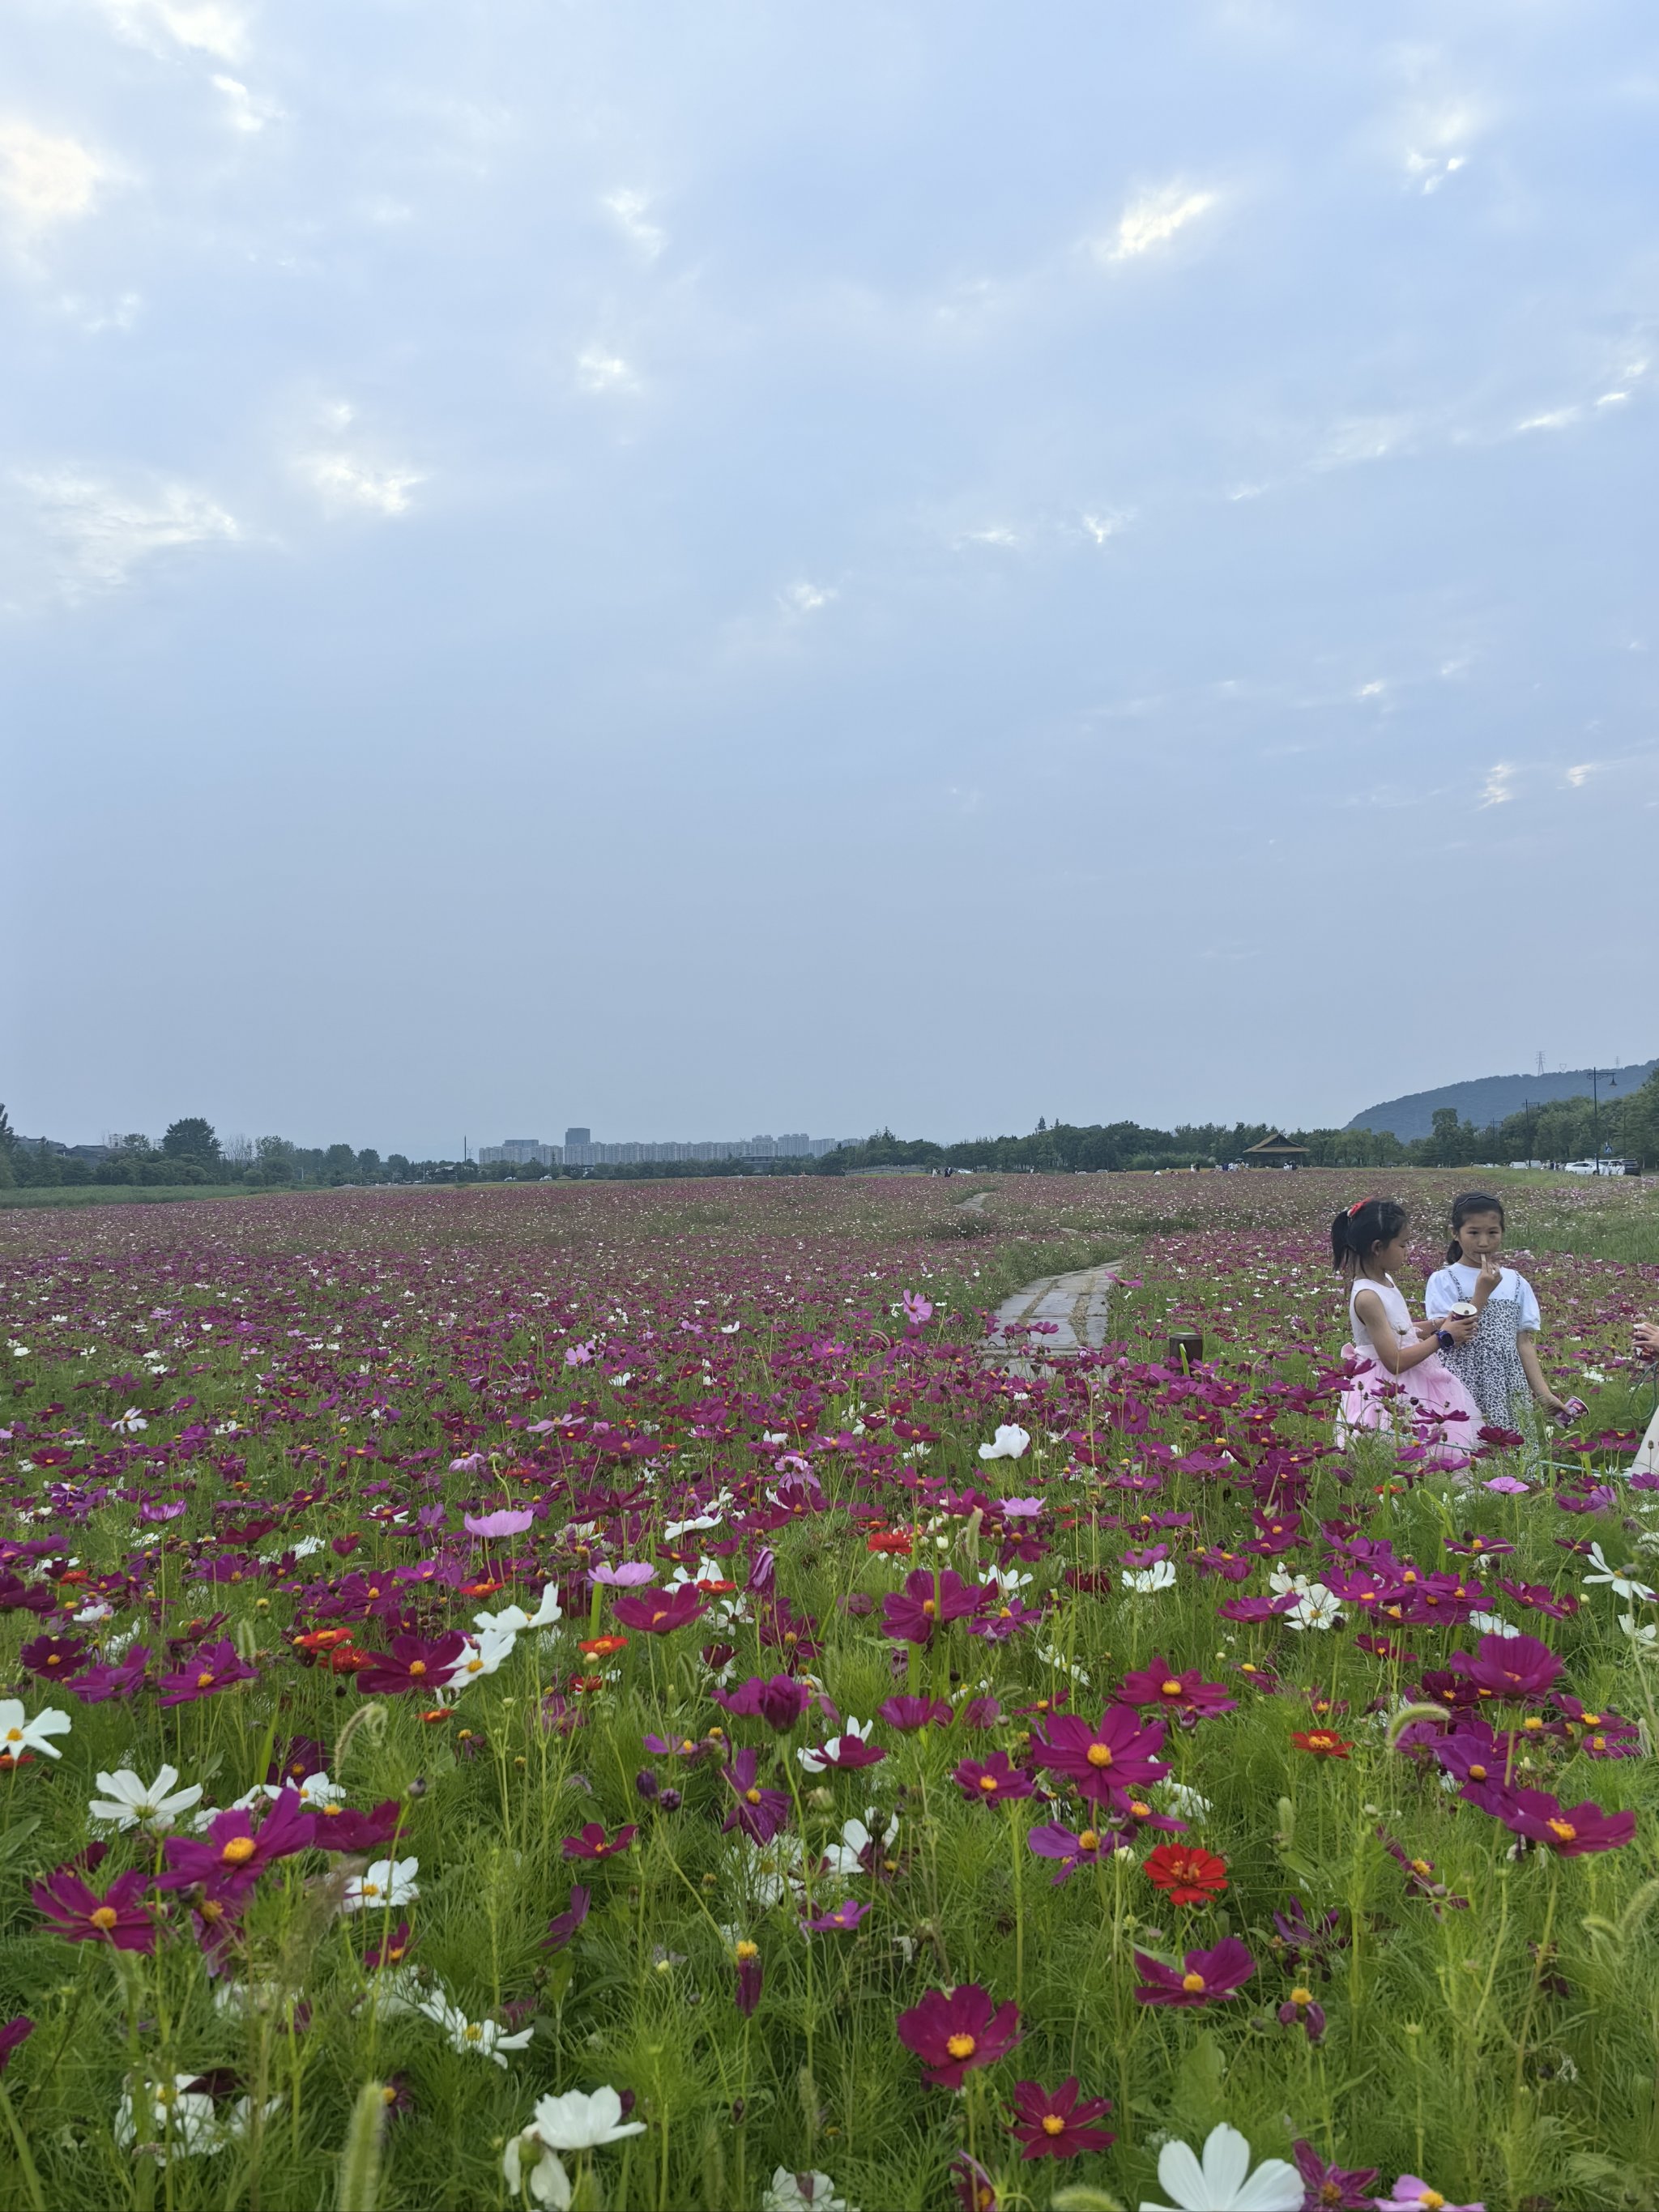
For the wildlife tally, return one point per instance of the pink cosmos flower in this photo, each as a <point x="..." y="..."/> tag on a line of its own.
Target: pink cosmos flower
<point x="842" y="1921"/>
<point x="1107" y="1761"/>
<point x="1053" y="2124"/>
<point x="917" y="1309"/>
<point x="627" y="1574"/>
<point x="1411" y="2189"/>
<point x="759" y="1811"/>
<point x="661" y="1612"/>
<point x="118" y="1918"/>
<point x="1208" y="1975"/>
<point x="1051" y="1841"/>
<point x="505" y="1520"/>
<point x="953" y="2031"/>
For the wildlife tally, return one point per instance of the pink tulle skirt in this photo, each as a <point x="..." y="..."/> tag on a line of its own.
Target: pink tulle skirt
<point x="1423" y="1405"/>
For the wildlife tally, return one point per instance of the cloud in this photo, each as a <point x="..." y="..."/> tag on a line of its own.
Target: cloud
<point x="95" y="316"/>
<point x="342" y="481"/>
<point x="1578" y="776"/>
<point x="1557" y="419"/>
<point x="1437" y="135"/>
<point x="804" y="598"/>
<point x="628" y="207"/>
<point x="44" y="180"/>
<point x="1152" y="219"/>
<point x="994" y="534"/>
<point x="1496" y="790"/>
<point x="599" y="371"/>
<point x="97" y="533"/>
<point x="203" y="26"/>
<point x="1102" y="526"/>
<point x="246" y="111"/>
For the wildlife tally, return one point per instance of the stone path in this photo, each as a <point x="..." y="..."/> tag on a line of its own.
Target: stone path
<point x="1077" y="1304"/>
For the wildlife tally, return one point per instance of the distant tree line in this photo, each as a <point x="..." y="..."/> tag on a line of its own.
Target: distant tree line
<point x="191" y="1152"/>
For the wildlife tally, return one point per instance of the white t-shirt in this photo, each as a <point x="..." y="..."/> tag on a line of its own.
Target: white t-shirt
<point x="1450" y="1284"/>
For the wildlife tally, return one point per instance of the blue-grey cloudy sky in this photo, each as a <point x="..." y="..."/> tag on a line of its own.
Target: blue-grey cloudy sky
<point x="761" y="566"/>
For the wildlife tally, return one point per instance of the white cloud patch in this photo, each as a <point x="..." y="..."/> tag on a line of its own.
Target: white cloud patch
<point x="1496" y="791"/>
<point x="599" y="371"/>
<point x="44" y="179"/>
<point x="994" y="533"/>
<point x="1152" y="219"/>
<point x="97" y="533"/>
<point x="345" y="481"/>
<point x="246" y="111"/>
<point x="1438" y="135"/>
<point x="801" y="598"/>
<point x="201" y="27"/>
<point x="1558" y="419"/>
<point x="1578" y="776"/>
<point x="628" y="207"/>
<point x="1110" y="522"/>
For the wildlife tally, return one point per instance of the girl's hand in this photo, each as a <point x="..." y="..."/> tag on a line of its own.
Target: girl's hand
<point x="1646" y="1335"/>
<point x="1491" y="1275"/>
<point x="1459" y="1328"/>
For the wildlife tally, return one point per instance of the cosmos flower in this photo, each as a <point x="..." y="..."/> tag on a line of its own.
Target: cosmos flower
<point x="1010" y="1442"/>
<point x="1206" y="1977"/>
<point x="18" y="1734"/>
<point x="487" y="2038"/>
<point x="215" y="1667"/>
<point x="1054" y="2124"/>
<point x="382" y="1888"/>
<point x="989" y="1781"/>
<point x="118" y="1918"/>
<point x="1190" y="1875"/>
<point x="953" y="2031"/>
<point x="1105" y="1761"/>
<point x="130" y="1803"/>
<point x="1221" y="2181"/>
<point x="583" y="2120"/>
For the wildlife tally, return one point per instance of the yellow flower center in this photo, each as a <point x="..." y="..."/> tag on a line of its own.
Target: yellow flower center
<point x="751" y="1796"/>
<point x="1477" y="1773"/>
<point x="1422" y="1866"/>
<point x="1089" y="1841"/>
<point x="1431" y="2200"/>
<point x="1100" y="1755"/>
<point x="960" y="2046"/>
<point x="1053" y="2124"/>
<point x="988" y="1782"/>
<point x="105" y="1917"/>
<point x="239" y="1850"/>
<point x="747" y="1950"/>
<point x="474" y="2032"/>
<point x="418" y="1666"/>
<point x="929" y="1606"/>
<point x="14" y="1735"/>
<point x="1192" y="1983"/>
<point x="1172" y="1689"/>
<point x="205" y="1681"/>
<point x="1301" y="1997"/>
<point x="1565" y="1829"/>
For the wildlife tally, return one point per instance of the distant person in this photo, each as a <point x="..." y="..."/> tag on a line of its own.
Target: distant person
<point x="1368" y="1243"/>
<point x="1500" y="1364"/>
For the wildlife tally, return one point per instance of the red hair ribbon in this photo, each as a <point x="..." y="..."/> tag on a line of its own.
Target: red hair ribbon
<point x="1358" y="1206"/>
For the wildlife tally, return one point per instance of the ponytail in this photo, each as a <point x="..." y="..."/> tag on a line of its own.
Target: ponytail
<point x="1469" y="1202"/>
<point x="1368" y="1223"/>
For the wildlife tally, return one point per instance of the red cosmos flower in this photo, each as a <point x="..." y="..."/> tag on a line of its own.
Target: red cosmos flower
<point x="989" y="1781"/>
<point x="894" y="1542"/>
<point x="1208" y="1975"/>
<point x="658" y="1612"/>
<point x="1104" y="1762"/>
<point x="1188" y="1694"/>
<point x="414" y="1663"/>
<point x="118" y="1917"/>
<point x="953" y="2031"/>
<point x="592" y="1842"/>
<point x="601" y="1647"/>
<point x="1190" y="1875"/>
<point x="215" y="1667"/>
<point x="229" y="1859"/>
<point x="1054" y="2124"/>
<point x="1324" y="1743"/>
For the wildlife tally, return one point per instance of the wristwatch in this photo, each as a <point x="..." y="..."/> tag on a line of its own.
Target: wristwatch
<point x="1444" y="1339"/>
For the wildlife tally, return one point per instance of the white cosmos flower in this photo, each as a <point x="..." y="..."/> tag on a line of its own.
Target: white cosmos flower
<point x="1186" y="1801"/>
<point x="1621" y="1585"/>
<point x="855" y="1838"/>
<point x="582" y="2120"/>
<point x="130" y="1803"/>
<point x="488" y="2037"/>
<point x="1160" y="1576"/>
<point x="1221" y="2180"/>
<point x="529" y="2164"/>
<point x="802" y="2192"/>
<point x="1010" y="1442"/>
<point x="18" y="1734"/>
<point x="383" y="1887"/>
<point x="1493" y="1624"/>
<point x="481" y="1657"/>
<point x="512" y="1619"/>
<point x="676" y="1530"/>
<point x="178" y="2117"/>
<point x="129" y="1423"/>
<point x="1641" y="1633"/>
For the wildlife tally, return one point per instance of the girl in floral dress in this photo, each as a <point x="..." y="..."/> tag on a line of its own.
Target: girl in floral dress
<point x="1407" y="1385"/>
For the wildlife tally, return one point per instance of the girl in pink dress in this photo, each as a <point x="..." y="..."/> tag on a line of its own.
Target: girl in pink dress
<point x="1407" y="1386"/>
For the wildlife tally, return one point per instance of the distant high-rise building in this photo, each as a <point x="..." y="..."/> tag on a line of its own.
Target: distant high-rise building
<point x="579" y="1136"/>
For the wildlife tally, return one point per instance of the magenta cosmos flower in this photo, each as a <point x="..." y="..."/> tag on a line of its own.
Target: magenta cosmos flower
<point x="953" y="2031"/>
<point x="1571" y="1830"/>
<point x="1107" y="1761"/>
<point x="118" y="1917"/>
<point x="420" y="1664"/>
<point x="1330" y="2187"/>
<point x="215" y="1667"/>
<point x="592" y="1842"/>
<point x="911" y="1713"/>
<point x="1053" y="2124"/>
<point x="1518" y="1667"/>
<point x="1051" y="1841"/>
<point x="230" y="1858"/>
<point x="927" y="1601"/>
<point x="778" y="1699"/>
<point x="662" y="1611"/>
<point x="759" y="1811"/>
<point x="1186" y="1693"/>
<point x="989" y="1781"/>
<point x="1208" y="1975"/>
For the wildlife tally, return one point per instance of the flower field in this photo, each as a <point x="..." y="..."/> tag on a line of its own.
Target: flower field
<point x="615" y="1695"/>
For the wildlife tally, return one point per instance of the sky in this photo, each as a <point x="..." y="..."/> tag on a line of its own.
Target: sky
<point x="709" y="570"/>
